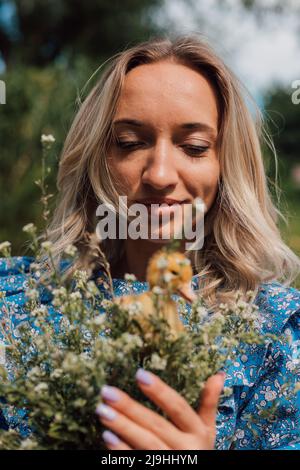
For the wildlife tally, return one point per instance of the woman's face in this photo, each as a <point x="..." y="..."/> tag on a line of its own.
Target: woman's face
<point x="166" y="136"/>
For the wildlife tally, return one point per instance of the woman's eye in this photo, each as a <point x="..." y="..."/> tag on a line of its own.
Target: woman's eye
<point x="195" y="150"/>
<point x="128" y="144"/>
<point x="192" y="150"/>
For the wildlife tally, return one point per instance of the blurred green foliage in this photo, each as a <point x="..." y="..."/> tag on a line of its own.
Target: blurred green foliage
<point x="43" y="30"/>
<point x="38" y="101"/>
<point x="283" y="118"/>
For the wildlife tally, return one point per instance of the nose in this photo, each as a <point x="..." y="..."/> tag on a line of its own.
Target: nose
<point x="160" y="169"/>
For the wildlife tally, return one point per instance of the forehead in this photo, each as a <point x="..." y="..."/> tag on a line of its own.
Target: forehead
<point x="164" y="87"/>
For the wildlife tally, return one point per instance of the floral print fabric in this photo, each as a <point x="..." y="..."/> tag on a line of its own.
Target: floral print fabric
<point x="257" y="379"/>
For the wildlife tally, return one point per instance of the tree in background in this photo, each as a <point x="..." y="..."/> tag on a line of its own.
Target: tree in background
<point x="42" y="31"/>
<point x="284" y="124"/>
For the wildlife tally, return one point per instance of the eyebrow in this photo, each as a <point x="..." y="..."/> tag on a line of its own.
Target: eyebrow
<point x="200" y="126"/>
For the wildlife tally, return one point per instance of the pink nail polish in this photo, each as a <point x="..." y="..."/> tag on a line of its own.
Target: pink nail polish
<point x="144" y="377"/>
<point x="109" y="393"/>
<point x="110" y="438"/>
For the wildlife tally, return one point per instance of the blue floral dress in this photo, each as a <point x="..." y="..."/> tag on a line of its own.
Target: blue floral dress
<point x="256" y="377"/>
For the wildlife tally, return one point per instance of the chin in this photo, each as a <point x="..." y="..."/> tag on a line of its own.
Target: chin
<point x="159" y="233"/>
<point x="160" y="241"/>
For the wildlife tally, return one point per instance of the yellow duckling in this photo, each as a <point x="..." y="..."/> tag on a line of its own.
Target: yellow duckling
<point x="167" y="273"/>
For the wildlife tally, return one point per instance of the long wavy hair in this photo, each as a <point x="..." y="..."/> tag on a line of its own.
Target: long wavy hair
<point x="243" y="246"/>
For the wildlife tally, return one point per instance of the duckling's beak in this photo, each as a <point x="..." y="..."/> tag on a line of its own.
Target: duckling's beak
<point x="186" y="291"/>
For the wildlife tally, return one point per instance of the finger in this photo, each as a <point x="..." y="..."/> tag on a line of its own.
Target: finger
<point x="113" y="442"/>
<point x="142" y="415"/>
<point x="176" y="407"/>
<point x="210" y="399"/>
<point x="133" y="434"/>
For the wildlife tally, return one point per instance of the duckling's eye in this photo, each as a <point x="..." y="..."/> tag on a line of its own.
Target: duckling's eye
<point x="174" y="272"/>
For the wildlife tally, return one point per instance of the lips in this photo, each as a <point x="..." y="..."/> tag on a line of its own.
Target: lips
<point x="168" y="201"/>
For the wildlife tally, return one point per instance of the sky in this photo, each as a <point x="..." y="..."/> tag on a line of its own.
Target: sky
<point x="262" y="54"/>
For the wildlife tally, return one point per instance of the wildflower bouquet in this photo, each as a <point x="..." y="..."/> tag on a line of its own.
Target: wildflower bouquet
<point x="84" y="338"/>
<point x="57" y="365"/>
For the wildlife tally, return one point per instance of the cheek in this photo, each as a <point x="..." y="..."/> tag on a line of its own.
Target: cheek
<point x="204" y="180"/>
<point x="126" y="175"/>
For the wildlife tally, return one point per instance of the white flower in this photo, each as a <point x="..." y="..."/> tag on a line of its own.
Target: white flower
<point x="132" y="341"/>
<point x="223" y="306"/>
<point x="70" y="362"/>
<point x="227" y="391"/>
<point x="59" y="296"/>
<point x="57" y="373"/>
<point x="41" y="387"/>
<point x="58" y="417"/>
<point x="158" y="362"/>
<point x="28" y="444"/>
<point x="92" y="288"/>
<point x="105" y="303"/>
<point x="40" y="342"/>
<point x="242" y="304"/>
<point x="32" y="294"/>
<point x="61" y="291"/>
<point x="99" y="320"/>
<point x="35" y="266"/>
<point x="162" y="262"/>
<point x="201" y="311"/>
<point x="184" y="262"/>
<point x="39" y="311"/>
<point x="130" y="277"/>
<point x="34" y="372"/>
<point x="47" y="139"/>
<point x="5" y="249"/>
<point x="81" y="275"/>
<point x="75" y="296"/>
<point x="4" y="245"/>
<point x="70" y="250"/>
<point x="134" y="308"/>
<point x="168" y="276"/>
<point x="29" y="228"/>
<point x="47" y="245"/>
<point x="157" y="290"/>
<point x="218" y="317"/>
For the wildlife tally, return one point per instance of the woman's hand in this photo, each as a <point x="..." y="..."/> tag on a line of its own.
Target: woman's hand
<point x="134" y="426"/>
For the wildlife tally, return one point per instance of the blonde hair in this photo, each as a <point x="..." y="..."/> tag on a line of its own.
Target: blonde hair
<point x="243" y="246"/>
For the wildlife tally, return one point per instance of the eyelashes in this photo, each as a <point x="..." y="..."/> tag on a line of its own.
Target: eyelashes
<point x="192" y="150"/>
<point x="128" y="145"/>
<point x="195" y="150"/>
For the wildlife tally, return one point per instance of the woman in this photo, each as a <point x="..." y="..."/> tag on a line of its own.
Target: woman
<point x="168" y="122"/>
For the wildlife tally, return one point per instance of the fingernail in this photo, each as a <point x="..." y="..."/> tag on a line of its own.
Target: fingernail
<point x="222" y="373"/>
<point x="144" y="377"/>
<point x="110" y="438"/>
<point x="106" y="412"/>
<point x="109" y="393"/>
